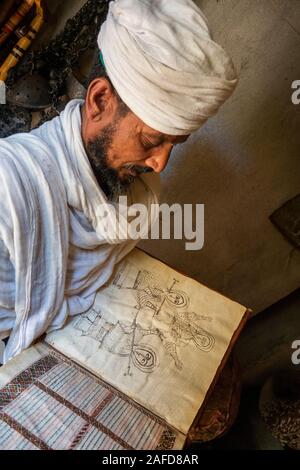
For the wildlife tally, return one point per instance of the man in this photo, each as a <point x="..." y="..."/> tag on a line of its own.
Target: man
<point x="164" y="77"/>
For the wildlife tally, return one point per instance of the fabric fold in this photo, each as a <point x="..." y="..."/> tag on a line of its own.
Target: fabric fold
<point x="59" y="253"/>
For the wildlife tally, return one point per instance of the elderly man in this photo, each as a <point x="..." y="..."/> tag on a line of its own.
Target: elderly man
<point x="164" y="77"/>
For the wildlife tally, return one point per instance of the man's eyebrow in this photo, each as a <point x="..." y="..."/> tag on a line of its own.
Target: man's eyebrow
<point x="159" y="139"/>
<point x="155" y="139"/>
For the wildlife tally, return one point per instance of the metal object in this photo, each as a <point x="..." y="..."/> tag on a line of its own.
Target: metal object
<point x="54" y="63"/>
<point x="23" y="44"/>
<point x="13" y="119"/>
<point x="15" y="20"/>
<point x="56" y="60"/>
<point x="82" y="69"/>
<point x="279" y="406"/>
<point x="30" y="92"/>
<point x="6" y="8"/>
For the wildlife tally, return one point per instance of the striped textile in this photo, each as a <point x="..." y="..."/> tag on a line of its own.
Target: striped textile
<point x="55" y="404"/>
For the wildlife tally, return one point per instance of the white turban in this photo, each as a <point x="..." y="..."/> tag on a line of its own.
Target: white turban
<point x="162" y="61"/>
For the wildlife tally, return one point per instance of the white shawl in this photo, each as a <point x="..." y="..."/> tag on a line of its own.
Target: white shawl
<point x="54" y="253"/>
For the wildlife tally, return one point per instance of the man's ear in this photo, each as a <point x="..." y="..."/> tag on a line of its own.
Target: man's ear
<point x="100" y="102"/>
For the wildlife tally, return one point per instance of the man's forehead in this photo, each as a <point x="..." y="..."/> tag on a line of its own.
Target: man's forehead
<point x="156" y="137"/>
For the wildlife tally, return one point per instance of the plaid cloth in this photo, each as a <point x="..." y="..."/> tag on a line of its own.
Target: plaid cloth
<point x="55" y="404"/>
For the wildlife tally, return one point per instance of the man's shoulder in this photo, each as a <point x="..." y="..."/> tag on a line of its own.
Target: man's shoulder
<point x="26" y="164"/>
<point x="26" y="141"/>
<point x="24" y="152"/>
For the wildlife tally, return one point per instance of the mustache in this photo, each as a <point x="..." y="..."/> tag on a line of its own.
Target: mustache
<point x="139" y="170"/>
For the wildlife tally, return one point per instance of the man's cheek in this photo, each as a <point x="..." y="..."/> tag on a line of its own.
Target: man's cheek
<point x="113" y="158"/>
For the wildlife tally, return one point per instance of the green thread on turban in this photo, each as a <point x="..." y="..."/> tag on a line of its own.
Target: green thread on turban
<point x="101" y="60"/>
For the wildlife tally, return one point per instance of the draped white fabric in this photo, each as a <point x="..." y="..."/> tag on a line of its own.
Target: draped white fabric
<point x="54" y="252"/>
<point x="160" y="56"/>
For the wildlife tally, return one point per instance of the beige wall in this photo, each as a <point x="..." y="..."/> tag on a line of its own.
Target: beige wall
<point x="245" y="163"/>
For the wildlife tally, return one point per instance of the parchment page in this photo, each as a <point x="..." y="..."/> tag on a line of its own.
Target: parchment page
<point x="156" y="335"/>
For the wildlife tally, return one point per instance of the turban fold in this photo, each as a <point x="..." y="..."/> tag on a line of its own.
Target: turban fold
<point x="162" y="61"/>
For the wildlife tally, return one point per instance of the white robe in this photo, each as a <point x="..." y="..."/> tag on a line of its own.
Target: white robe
<point x="54" y="253"/>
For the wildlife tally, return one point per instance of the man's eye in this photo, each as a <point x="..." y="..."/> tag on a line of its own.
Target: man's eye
<point x="147" y="144"/>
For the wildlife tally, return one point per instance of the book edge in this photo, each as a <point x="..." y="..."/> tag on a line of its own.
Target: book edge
<point x="192" y="433"/>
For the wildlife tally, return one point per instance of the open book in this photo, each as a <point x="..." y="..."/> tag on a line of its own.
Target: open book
<point x="137" y="368"/>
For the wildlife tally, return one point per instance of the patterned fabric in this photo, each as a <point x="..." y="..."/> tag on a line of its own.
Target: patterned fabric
<point x="55" y="404"/>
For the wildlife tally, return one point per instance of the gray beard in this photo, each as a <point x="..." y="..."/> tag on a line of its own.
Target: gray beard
<point x="108" y="178"/>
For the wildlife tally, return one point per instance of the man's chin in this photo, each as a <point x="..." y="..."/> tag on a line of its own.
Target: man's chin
<point x="119" y="187"/>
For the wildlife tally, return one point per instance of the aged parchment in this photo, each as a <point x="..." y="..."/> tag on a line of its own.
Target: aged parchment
<point x="156" y="335"/>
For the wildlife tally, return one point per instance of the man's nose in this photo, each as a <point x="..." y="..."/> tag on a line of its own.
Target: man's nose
<point x="159" y="161"/>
